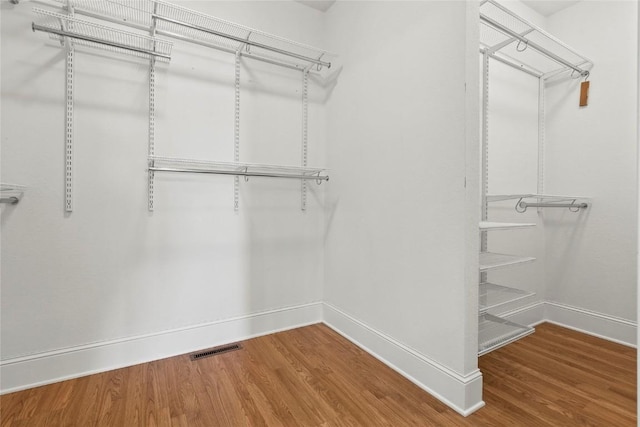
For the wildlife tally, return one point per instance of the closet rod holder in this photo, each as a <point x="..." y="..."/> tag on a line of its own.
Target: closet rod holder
<point x="243" y="41"/>
<point x="9" y="200"/>
<point x="36" y="27"/>
<point x="533" y="45"/>
<point x="241" y="173"/>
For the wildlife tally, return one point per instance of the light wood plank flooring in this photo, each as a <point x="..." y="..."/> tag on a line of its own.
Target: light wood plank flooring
<point x="313" y="377"/>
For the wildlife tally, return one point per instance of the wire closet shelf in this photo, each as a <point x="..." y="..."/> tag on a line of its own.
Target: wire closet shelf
<point x="11" y="193"/>
<point x="86" y="33"/>
<point x="169" y="164"/>
<point x="187" y="25"/>
<point x="515" y="41"/>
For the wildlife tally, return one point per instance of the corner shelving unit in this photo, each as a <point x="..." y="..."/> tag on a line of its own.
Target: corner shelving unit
<point x="511" y="40"/>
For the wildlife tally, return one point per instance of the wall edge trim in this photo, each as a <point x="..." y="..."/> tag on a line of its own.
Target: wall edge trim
<point x="462" y="393"/>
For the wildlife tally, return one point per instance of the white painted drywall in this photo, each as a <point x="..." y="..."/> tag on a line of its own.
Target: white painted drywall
<point x="592" y="151"/>
<point x="111" y="269"/>
<point x="397" y="246"/>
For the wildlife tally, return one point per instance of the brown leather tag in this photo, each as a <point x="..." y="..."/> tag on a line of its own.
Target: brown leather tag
<point x="584" y="94"/>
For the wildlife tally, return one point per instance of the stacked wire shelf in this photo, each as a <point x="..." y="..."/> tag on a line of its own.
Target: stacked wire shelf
<point x="493" y="331"/>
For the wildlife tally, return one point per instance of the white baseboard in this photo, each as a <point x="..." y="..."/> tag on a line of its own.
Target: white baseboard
<point x="601" y="325"/>
<point x="462" y="393"/>
<point x="45" y="368"/>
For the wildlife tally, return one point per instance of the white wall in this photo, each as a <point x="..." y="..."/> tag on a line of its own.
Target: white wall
<point x="592" y="151"/>
<point x="400" y="242"/>
<point x="113" y="271"/>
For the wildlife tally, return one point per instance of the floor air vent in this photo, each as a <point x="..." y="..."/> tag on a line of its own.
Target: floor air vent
<point x="215" y="351"/>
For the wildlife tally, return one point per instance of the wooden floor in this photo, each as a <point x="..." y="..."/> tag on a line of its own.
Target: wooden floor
<point x="314" y="377"/>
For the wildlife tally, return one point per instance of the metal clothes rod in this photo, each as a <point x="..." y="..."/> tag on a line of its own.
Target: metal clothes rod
<point x="9" y="200"/>
<point x="240" y="173"/>
<point x="244" y="41"/>
<point x="36" y="27"/>
<point x="525" y="205"/>
<point x="537" y="47"/>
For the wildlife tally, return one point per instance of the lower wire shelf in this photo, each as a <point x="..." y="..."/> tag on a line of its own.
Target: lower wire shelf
<point x="495" y="332"/>
<point x="491" y="260"/>
<point x="492" y="296"/>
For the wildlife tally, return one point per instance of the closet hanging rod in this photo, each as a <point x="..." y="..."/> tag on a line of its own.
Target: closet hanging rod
<point x="532" y="44"/>
<point x="36" y="27"/>
<point x="244" y="41"/>
<point x="240" y="173"/>
<point x="525" y="205"/>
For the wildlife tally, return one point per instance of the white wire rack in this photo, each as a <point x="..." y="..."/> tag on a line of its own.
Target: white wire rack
<point x="169" y="164"/>
<point x="515" y="41"/>
<point x="195" y="27"/>
<point x="11" y="193"/>
<point x="492" y="296"/>
<point x="490" y="226"/>
<point x="492" y="260"/>
<point x="91" y="34"/>
<point x="495" y="332"/>
<point x="524" y="201"/>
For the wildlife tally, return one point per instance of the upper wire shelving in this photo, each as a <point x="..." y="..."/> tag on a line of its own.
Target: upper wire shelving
<point x="60" y="26"/>
<point x="188" y="25"/>
<point x="517" y="42"/>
